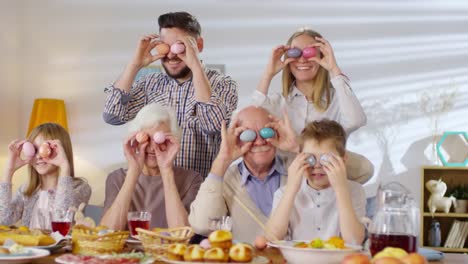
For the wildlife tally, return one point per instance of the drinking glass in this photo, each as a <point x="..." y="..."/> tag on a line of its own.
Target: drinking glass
<point x="139" y="219"/>
<point x="220" y="223"/>
<point x="61" y="221"/>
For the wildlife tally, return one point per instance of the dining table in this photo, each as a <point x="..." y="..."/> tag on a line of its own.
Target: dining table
<point x="276" y="257"/>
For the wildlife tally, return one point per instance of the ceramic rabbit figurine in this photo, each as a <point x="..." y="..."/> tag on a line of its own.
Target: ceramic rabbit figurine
<point x="437" y="201"/>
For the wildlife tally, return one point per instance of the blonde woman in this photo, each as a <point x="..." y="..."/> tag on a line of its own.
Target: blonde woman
<point x="313" y="88"/>
<point x="52" y="183"/>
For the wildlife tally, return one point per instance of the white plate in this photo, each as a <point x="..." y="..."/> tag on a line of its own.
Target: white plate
<point x="256" y="260"/>
<point x="295" y="255"/>
<point x="36" y="253"/>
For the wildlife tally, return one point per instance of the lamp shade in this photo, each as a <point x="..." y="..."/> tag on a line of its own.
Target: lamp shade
<point x="46" y="110"/>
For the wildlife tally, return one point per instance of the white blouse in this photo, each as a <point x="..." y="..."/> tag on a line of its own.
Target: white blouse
<point x="40" y="218"/>
<point x="345" y="108"/>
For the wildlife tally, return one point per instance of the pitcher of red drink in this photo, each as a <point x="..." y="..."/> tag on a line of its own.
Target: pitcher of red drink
<point x="396" y="222"/>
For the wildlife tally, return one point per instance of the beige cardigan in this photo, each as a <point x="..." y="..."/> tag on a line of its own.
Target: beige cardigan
<point x="216" y="198"/>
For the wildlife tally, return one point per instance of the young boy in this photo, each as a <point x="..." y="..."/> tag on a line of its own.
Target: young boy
<point x="318" y="199"/>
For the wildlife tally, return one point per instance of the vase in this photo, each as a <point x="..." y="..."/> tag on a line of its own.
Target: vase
<point x="461" y="207"/>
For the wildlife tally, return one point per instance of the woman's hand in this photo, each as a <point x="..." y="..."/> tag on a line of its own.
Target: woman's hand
<point x="327" y="59"/>
<point x="143" y="56"/>
<point x="135" y="153"/>
<point x="166" y="152"/>
<point x="276" y="63"/>
<point x="14" y="158"/>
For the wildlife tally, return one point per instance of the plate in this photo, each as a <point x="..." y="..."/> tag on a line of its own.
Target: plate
<point x="296" y="255"/>
<point x="62" y="241"/>
<point x="133" y="241"/>
<point x="35" y="253"/>
<point x="256" y="260"/>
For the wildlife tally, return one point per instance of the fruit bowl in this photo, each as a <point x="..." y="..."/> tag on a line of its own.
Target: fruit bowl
<point x="297" y="255"/>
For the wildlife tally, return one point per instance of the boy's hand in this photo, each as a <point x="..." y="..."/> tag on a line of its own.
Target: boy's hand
<point x="296" y="171"/>
<point x="335" y="168"/>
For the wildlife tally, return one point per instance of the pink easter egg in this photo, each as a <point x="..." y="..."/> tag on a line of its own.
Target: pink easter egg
<point x="309" y="52"/>
<point x="159" y="137"/>
<point x="205" y="243"/>
<point x="177" y="48"/>
<point x="28" y="149"/>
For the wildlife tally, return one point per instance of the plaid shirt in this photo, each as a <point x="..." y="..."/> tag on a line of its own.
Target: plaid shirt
<point x="200" y="122"/>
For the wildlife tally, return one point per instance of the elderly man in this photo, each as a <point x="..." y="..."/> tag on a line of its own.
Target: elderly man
<point x="151" y="183"/>
<point x="200" y="97"/>
<point x="244" y="190"/>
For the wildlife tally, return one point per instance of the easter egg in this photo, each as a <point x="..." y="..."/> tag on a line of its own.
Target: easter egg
<point x="309" y="52"/>
<point x="311" y="160"/>
<point x="28" y="149"/>
<point x="324" y="159"/>
<point x="177" y="48"/>
<point x="294" y="53"/>
<point x="260" y="242"/>
<point x="44" y="150"/>
<point x="162" y="48"/>
<point x="248" y="135"/>
<point x="205" y="243"/>
<point x="267" y="132"/>
<point x="159" y="137"/>
<point x="141" y="137"/>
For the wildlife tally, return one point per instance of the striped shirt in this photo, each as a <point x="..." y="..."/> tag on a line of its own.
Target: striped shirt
<point x="200" y="122"/>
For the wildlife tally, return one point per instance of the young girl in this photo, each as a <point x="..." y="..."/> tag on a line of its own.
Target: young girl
<point x="52" y="184"/>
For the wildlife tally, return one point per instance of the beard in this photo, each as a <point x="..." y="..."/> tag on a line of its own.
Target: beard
<point x="184" y="72"/>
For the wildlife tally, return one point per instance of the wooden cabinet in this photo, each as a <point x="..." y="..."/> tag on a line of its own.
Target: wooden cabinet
<point x="452" y="176"/>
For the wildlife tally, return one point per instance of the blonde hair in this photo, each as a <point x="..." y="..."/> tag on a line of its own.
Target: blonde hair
<point x="323" y="130"/>
<point x="321" y="86"/>
<point x="49" y="131"/>
<point x="155" y="114"/>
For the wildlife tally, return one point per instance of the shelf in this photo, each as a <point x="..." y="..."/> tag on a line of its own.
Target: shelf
<point x="445" y="215"/>
<point x="444" y="249"/>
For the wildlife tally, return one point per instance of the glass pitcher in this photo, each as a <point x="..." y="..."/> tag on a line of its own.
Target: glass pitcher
<point x="396" y="222"/>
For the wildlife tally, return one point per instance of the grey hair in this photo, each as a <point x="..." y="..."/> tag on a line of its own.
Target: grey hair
<point x="236" y="112"/>
<point x="154" y="114"/>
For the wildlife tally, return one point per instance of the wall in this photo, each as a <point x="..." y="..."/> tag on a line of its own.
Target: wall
<point x="393" y="52"/>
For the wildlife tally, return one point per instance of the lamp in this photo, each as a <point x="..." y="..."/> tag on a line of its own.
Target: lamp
<point x="48" y="110"/>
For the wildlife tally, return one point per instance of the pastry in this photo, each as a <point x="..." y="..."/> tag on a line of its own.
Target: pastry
<point x="241" y="253"/>
<point x="176" y="251"/>
<point x="216" y="255"/>
<point x="194" y="253"/>
<point x="221" y="239"/>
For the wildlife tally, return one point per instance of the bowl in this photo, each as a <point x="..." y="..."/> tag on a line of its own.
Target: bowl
<point x="295" y="255"/>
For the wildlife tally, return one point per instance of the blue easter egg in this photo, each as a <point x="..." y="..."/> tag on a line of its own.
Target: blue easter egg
<point x="311" y="160"/>
<point x="294" y="53"/>
<point x="248" y="135"/>
<point x="324" y="159"/>
<point x="267" y="132"/>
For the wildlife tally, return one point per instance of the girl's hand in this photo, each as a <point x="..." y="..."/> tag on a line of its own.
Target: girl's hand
<point x="58" y="157"/>
<point x="327" y="60"/>
<point x="14" y="157"/>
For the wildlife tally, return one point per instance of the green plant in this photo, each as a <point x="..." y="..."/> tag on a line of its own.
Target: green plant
<point x="460" y="192"/>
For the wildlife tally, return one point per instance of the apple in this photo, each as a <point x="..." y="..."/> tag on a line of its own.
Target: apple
<point x="387" y="260"/>
<point x="414" y="258"/>
<point x="356" y="259"/>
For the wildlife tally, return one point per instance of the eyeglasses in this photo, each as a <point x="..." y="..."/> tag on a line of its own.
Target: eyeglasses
<point x="250" y="135"/>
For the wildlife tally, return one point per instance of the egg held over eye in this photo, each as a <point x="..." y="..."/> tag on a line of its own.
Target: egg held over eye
<point x="159" y="137"/>
<point x="141" y="137"/>
<point x="44" y="150"/>
<point x="162" y="48"/>
<point x="28" y="150"/>
<point x="177" y="48"/>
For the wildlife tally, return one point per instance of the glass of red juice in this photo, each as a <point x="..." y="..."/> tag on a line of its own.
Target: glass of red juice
<point x="139" y="219"/>
<point x="379" y="242"/>
<point x="61" y="221"/>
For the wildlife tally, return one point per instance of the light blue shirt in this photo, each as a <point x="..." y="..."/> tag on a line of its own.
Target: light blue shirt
<point x="260" y="191"/>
